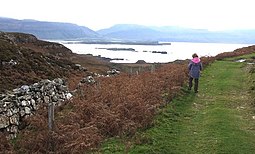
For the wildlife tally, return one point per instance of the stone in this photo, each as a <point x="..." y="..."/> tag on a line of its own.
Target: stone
<point x="15" y="110"/>
<point x="24" y="103"/>
<point x="241" y="60"/>
<point x="62" y="88"/>
<point x="6" y="104"/>
<point x="24" y="88"/>
<point x="35" y="87"/>
<point x="14" y="120"/>
<point x="80" y="68"/>
<point x="27" y="97"/>
<point x="4" y="121"/>
<point x="69" y="96"/>
<point x="16" y="91"/>
<point x="44" y="82"/>
<point x="46" y="99"/>
<point x="39" y="101"/>
<point x="53" y="93"/>
<point x="54" y="98"/>
<point x="15" y="103"/>
<point x="88" y="79"/>
<point x="77" y="65"/>
<point x="9" y="112"/>
<point x="33" y="104"/>
<point x="12" y="129"/>
<point x="60" y="94"/>
<point x="2" y="110"/>
<point x="6" y="98"/>
<point x="22" y="112"/>
<point x="58" y="81"/>
<point x="35" y="107"/>
<point x="2" y="96"/>
<point x="37" y="95"/>
<point x="27" y="110"/>
<point x="113" y="72"/>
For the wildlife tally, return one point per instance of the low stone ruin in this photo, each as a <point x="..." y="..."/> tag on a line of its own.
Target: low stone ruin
<point x="113" y="72"/>
<point x="24" y="101"/>
<point x="91" y="78"/>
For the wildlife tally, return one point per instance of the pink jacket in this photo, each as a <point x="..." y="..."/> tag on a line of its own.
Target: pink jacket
<point x="195" y="66"/>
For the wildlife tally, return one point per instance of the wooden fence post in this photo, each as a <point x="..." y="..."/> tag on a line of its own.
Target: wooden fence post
<point x="51" y="125"/>
<point x="152" y="68"/>
<point x="50" y="116"/>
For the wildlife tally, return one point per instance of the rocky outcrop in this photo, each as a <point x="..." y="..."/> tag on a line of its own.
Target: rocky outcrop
<point x="24" y="101"/>
<point x="25" y="60"/>
<point x="21" y="37"/>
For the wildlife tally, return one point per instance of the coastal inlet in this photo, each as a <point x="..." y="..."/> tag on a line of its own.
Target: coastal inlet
<point x="133" y="53"/>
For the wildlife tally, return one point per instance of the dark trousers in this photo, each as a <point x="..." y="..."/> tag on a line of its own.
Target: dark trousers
<point x="191" y="84"/>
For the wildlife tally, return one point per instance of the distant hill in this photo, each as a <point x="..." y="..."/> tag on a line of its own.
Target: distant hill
<point x="177" y="34"/>
<point x="124" y="32"/>
<point x="46" y="30"/>
<point x="132" y="32"/>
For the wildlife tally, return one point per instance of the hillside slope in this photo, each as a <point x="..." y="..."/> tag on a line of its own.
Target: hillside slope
<point x="24" y="60"/>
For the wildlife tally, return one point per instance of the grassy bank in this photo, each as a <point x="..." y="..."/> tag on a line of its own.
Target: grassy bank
<point x="219" y="119"/>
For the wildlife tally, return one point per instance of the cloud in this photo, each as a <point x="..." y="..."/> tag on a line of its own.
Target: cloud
<point x="96" y="14"/>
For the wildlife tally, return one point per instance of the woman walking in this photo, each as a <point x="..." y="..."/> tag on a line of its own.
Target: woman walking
<point x="195" y="66"/>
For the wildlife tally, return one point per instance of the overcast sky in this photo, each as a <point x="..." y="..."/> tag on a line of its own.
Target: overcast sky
<point x="99" y="14"/>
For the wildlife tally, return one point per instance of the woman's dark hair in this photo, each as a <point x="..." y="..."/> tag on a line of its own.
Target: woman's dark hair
<point x="194" y="55"/>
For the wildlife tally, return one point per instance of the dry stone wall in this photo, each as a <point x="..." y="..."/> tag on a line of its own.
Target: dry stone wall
<point x="24" y="101"/>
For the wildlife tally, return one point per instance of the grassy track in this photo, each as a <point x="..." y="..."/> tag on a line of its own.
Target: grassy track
<point x="219" y="119"/>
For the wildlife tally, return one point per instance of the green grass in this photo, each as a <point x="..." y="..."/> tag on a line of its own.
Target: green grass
<point x="248" y="56"/>
<point x="216" y="120"/>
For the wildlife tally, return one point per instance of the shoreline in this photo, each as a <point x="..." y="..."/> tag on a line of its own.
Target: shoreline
<point x="122" y="43"/>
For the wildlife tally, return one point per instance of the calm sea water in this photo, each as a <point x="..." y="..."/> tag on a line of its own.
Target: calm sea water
<point x="175" y="51"/>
